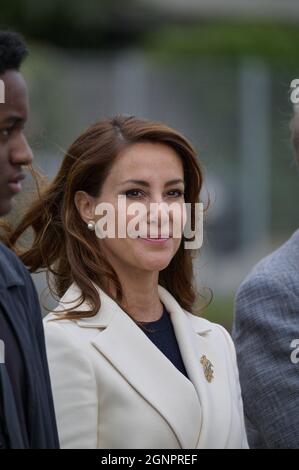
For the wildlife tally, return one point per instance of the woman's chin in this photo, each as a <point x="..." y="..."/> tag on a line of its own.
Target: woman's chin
<point x="155" y="264"/>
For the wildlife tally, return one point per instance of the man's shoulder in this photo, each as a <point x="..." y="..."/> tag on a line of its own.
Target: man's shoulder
<point x="12" y="270"/>
<point x="280" y="267"/>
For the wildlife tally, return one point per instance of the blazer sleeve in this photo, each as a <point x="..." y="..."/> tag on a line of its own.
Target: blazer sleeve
<point x="236" y="391"/>
<point x="266" y="315"/>
<point x="74" y="389"/>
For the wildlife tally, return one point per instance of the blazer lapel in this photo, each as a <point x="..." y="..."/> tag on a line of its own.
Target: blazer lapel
<point x="215" y="396"/>
<point x="195" y="339"/>
<point x="148" y="370"/>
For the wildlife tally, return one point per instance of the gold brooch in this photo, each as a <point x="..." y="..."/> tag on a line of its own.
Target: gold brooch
<point x="207" y="368"/>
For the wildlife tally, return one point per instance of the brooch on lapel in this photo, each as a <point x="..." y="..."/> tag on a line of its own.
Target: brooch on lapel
<point x="207" y="368"/>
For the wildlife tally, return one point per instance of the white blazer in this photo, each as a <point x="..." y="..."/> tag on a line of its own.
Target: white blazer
<point x="113" y="388"/>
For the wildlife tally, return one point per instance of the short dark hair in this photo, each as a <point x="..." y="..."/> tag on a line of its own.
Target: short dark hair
<point x="13" y="50"/>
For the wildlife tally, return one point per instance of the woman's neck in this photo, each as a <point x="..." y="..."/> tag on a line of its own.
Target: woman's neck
<point x="143" y="306"/>
<point x="141" y="296"/>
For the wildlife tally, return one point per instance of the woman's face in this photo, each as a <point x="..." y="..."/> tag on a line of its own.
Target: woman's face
<point x="158" y="177"/>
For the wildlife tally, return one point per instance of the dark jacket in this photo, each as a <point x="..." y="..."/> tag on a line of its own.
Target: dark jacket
<point x="19" y="302"/>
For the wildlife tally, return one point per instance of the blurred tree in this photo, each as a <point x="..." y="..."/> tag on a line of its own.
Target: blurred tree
<point x="73" y="23"/>
<point x="112" y="24"/>
<point x="229" y="40"/>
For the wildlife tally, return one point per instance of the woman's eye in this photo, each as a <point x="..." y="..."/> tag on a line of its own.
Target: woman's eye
<point x="133" y="193"/>
<point x="176" y="193"/>
<point x="137" y="193"/>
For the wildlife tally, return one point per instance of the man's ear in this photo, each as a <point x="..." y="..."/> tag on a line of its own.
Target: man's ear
<point x="85" y="205"/>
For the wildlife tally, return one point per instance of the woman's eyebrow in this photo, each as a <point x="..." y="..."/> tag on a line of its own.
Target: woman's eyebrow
<point x="146" y="183"/>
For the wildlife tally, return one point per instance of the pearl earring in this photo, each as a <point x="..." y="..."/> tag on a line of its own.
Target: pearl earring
<point x="91" y="225"/>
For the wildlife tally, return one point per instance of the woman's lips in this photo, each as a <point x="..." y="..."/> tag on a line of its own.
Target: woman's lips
<point x="156" y="241"/>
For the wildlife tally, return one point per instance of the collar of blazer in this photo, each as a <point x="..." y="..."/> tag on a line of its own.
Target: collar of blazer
<point x="109" y="308"/>
<point x="201" y="418"/>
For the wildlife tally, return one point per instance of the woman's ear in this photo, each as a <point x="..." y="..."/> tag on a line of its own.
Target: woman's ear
<point x="85" y="205"/>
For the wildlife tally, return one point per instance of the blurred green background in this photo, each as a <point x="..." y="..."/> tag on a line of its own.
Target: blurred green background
<point x="218" y="71"/>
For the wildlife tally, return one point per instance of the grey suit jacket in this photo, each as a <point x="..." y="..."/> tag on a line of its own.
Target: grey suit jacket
<point x="266" y="323"/>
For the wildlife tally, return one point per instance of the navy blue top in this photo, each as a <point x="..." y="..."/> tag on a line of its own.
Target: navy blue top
<point x="163" y="336"/>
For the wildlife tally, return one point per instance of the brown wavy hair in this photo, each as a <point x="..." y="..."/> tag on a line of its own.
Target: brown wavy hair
<point x="64" y="247"/>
